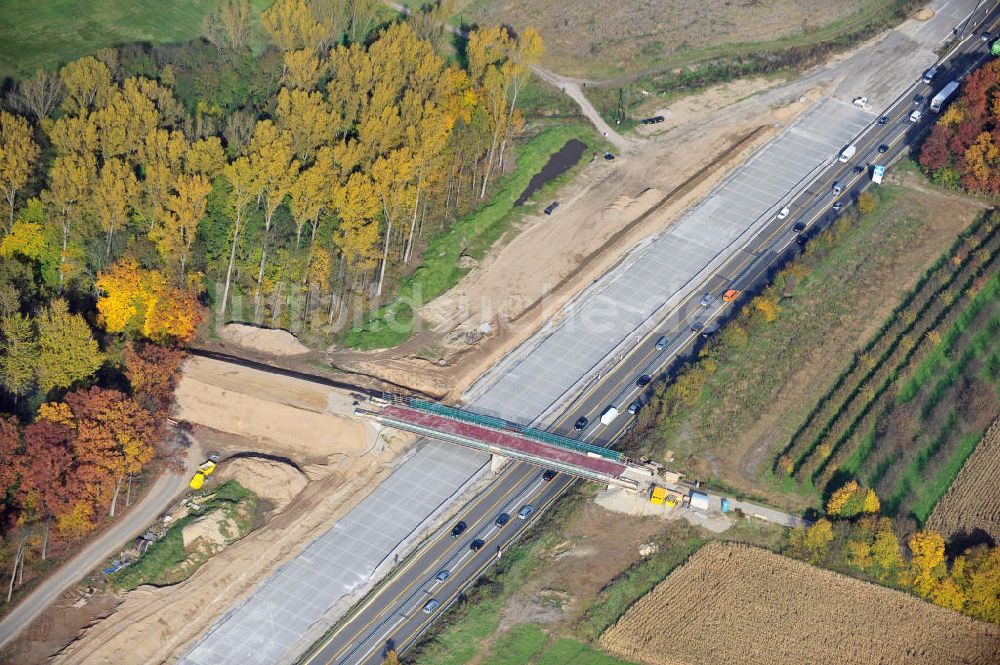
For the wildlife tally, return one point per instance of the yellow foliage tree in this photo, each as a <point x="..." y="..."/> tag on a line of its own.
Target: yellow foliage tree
<point x="767" y="306"/>
<point x="840" y="498"/>
<point x="871" y="503"/>
<point x="927" y="560"/>
<point x="818" y="538"/>
<point x="18" y="153"/>
<point x="87" y="84"/>
<point x="141" y="301"/>
<point x="859" y="554"/>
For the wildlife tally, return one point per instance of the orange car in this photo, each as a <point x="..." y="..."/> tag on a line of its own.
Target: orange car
<point x="730" y="295"/>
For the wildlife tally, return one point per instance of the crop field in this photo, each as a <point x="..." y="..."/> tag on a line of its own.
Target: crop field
<point x="972" y="503"/>
<point x="603" y="40"/>
<point x="914" y="403"/>
<point x="734" y="603"/>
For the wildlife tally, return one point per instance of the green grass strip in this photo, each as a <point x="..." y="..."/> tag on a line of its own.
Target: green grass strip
<point x="929" y="492"/>
<point x="518" y="646"/>
<point x="473" y="234"/>
<point x="570" y="652"/>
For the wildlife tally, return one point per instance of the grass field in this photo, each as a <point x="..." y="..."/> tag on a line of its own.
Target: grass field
<point x="748" y="397"/>
<point x="52" y="32"/>
<point x="595" y="39"/>
<point x="733" y="603"/>
<point x="473" y="235"/>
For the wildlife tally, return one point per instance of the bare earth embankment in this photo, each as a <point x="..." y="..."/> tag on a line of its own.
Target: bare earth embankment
<point x="972" y="503"/>
<point x="738" y="604"/>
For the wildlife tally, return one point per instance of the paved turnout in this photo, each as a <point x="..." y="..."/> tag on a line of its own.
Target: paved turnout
<point x="658" y="286"/>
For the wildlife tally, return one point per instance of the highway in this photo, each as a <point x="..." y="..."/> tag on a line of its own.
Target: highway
<point x="396" y="613"/>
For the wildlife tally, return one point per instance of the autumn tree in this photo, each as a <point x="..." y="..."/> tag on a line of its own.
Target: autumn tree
<point x="115" y="186"/>
<point x="68" y="352"/>
<point x="767" y="306"/>
<point x="88" y="84"/>
<point x="174" y="233"/>
<point x="71" y="182"/>
<point x="18" y="154"/>
<point x="926" y="560"/>
<point x="291" y="25"/>
<point x="151" y="370"/>
<point x="49" y="487"/>
<point x="19" y="355"/>
<point x="242" y="189"/>
<point x="115" y="439"/>
<point x="142" y="302"/>
<point x="885" y="549"/>
<point x="10" y="444"/>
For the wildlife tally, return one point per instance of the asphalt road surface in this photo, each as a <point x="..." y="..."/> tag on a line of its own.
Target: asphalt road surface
<point x="418" y="591"/>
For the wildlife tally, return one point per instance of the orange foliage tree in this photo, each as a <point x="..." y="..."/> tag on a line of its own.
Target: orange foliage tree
<point x="143" y="302"/>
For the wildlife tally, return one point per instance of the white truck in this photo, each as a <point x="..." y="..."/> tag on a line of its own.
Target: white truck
<point x="942" y="97"/>
<point x="609" y="415"/>
<point x="877" y="173"/>
<point x="848" y="152"/>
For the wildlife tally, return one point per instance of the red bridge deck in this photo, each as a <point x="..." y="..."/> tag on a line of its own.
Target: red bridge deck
<point x="505" y="440"/>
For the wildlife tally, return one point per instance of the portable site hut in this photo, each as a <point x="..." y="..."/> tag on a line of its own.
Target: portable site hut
<point x="699" y="500"/>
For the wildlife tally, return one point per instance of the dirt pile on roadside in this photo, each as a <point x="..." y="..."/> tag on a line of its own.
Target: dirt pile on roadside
<point x="271" y="480"/>
<point x="212" y="528"/>
<point x="266" y="340"/>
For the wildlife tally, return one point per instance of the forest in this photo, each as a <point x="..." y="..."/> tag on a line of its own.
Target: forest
<point x="149" y="192"/>
<point x="963" y="148"/>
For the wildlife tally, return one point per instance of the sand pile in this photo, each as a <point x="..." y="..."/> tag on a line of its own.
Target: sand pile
<point x="212" y="528"/>
<point x="265" y="340"/>
<point x="270" y="480"/>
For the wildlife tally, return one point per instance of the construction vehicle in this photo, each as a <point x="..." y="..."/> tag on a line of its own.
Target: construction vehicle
<point x="205" y="469"/>
<point x="661" y="496"/>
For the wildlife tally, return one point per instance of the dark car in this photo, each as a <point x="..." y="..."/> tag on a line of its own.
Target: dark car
<point x="477" y="544"/>
<point x="985" y="37"/>
<point x="551" y="208"/>
<point x="882" y="149"/>
<point x="709" y="331"/>
<point x="858" y="170"/>
<point x="799" y="227"/>
<point x="643" y="380"/>
<point x="581" y="422"/>
<point x="803" y="239"/>
<point x="549" y="474"/>
<point x="634" y="407"/>
<point x="837" y="205"/>
<point x="459" y="529"/>
<point x="662" y="343"/>
<point x="502" y="519"/>
<point x="609" y="157"/>
<point x="697" y="326"/>
<point x="918" y="100"/>
<point x="838" y="187"/>
<point x="884" y="120"/>
<point x="442" y="575"/>
<point x="654" y="120"/>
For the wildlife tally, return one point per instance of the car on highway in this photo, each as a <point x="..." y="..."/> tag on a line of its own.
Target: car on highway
<point x="459" y="529"/>
<point x="837" y="205"/>
<point x="838" y="187"/>
<point x="884" y="120"/>
<point x="643" y="380"/>
<point x="858" y="170"/>
<point x="581" y="422"/>
<point x="442" y="575"/>
<point x="697" y="326"/>
<point x="985" y="37"/>
<point x="918" y="100"/>
<point x="634" y="407"/>
<point x="477" y="544"/>
<point x="706" y="300"/>
<point x="803" y="239"/>
<point x="709" y="331"/>
<point x="549" y="474"/>
<point x="799" y="227"/>
<point x="431" y="605"/>
<point x="882" y="149"/>
<point x="551" y="208"/>
<point x="930" y="74"/>
<point x="783" y="213"/>
<point x="915" y="116"/>
<point x="661" y="343"/>
<point x="730" y="295"/>
<point x="502" y="519"/>
<point x="525" y="511"/>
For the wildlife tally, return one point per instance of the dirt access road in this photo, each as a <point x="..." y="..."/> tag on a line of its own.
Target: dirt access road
<point x="134" y="522"/>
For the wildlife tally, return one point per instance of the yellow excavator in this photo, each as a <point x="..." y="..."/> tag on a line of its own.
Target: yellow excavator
<point x="205" y="469"/>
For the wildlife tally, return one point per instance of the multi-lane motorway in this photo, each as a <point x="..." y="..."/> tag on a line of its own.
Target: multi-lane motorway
<point x="397" y="612"/>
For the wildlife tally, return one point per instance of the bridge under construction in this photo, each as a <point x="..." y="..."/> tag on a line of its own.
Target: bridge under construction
<point x="513" y="440"/>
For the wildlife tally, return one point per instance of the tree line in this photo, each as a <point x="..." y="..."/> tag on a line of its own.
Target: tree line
<point x="145" y="187"/>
